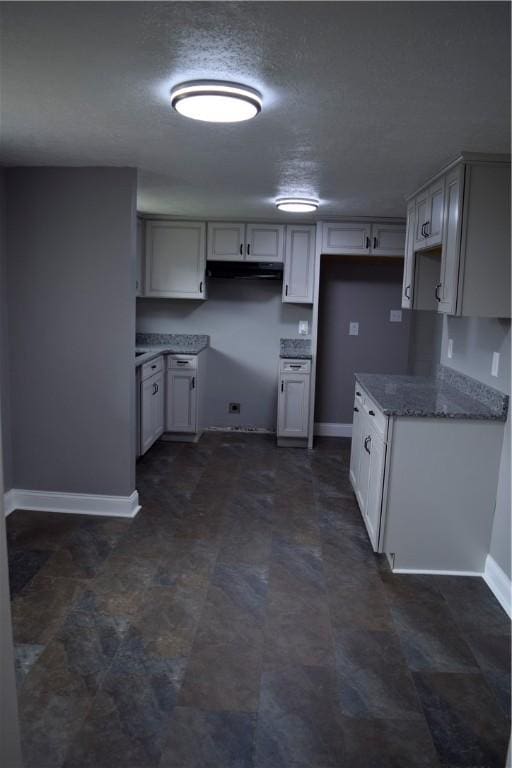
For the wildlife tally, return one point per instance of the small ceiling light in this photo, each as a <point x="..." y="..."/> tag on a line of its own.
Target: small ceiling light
<point x="216" y="102"/>
<point x="296" y="204"/>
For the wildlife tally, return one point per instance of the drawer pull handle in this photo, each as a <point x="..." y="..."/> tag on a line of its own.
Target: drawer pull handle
<point x="367" y="243"/>
<point x="201" y="287"/>
<point x="153" y="366"/>
<point x="241" y="249"/>
<point x="356" y="409"/>
<point x="193" y="382"/>
<point x="182" y="362"/>
<point x="374" y="242"/>
<point x="286" y="290"/>
<point x="372" y="413"/>
<point x="248" y="249"/>
<point x="295" y="366"/>
<point x="366" y="441"/>
<point x="438" y="298"/>
<point x="407" y="291"/>
<point x="282" y="386"/>
<point x="358" y="393"/>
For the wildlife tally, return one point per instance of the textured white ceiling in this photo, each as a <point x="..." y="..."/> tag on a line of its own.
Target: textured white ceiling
<point x="362" y="101"/>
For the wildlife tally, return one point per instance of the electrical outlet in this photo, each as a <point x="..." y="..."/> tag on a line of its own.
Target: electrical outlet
<point x="495" y="363"/>
<point x="395" y="316"/>
<point x="234" y="408"/>
<point x="303" y="327"/>
<point x="353" y="329"/>
<point x="449" y="351"/>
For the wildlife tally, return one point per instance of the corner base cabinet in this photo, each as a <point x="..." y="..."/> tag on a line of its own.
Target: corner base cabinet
<point x="425" y="487"/>
<point x="293" y="402"/>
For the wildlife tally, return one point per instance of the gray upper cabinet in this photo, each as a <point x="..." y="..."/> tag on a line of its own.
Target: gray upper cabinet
<point x="299" y="264"/>
<point x="235" y="241"/>
<point x="458" y="260"/>
<point x="363" y="239"/>
<point x="175" y="259"/>
<point x="226" y="241"/>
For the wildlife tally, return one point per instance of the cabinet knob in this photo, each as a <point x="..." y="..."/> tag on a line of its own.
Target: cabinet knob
<point x="358" y="393"/>
<point x="372" y="413"/>
<point x="356" y="409"/>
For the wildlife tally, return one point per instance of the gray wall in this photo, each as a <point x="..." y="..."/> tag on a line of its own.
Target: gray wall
<point x="71" y="314"/>
<point x="4" y="345"/>
<point x="245" y="321"/>
<point x="425" y="343"/>
<point x="365" y="292"/>
<point x="474" y="341"/>
<point x="10" y="753"/>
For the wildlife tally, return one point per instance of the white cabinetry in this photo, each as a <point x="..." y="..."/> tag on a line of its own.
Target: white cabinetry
<point x="426" y="487"/>
<point x="458" y="240"/>
<point x="299" y="264"/>
<point x="363" y="238"/>
<point x="175" y="259"/>
<point x="235" y="241"/>
<point x="293" y="402"/>
<point x="139" y="258"/>
<point x="185" y="396"/>
<point x="151" y="403"/>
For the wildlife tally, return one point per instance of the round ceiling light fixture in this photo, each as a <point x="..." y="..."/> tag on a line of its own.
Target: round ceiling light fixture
<point x="215" y="101"/>
<point x="297" y="204"/>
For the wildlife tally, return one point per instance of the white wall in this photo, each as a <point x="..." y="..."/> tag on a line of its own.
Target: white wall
<point x="245" y="320"/>
<point x="474" y="341"/>
<point x="71" y="315"/>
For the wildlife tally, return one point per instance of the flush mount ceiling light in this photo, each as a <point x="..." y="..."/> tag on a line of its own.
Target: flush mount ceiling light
<point x="215" y="101"/>
<point x="296" y="204"/>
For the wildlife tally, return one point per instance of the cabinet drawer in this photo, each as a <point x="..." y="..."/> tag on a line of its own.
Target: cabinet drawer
<point x="295" y="366"/>
<point x="152" y="367"/>
<point x="182" y="361"/>
<point x="379" y="420"/>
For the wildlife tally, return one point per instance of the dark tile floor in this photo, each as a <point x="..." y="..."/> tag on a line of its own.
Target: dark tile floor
<point x="242" y="621"/>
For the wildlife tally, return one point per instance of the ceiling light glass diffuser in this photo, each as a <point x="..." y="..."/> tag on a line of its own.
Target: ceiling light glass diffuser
<point x="296" y="204"/>
<point x="216" y="102"/>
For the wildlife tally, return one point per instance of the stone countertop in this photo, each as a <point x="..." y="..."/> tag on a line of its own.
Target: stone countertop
<point x="448" y="395"/>
<point x="299" y="349"/>
<point x="154" y="344"/>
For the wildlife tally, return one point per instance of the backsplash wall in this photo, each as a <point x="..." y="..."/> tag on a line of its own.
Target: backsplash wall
<point x="245" y="321"/>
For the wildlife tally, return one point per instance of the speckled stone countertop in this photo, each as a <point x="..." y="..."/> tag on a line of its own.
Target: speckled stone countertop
<point x="154" y="344"/>
<point x="296" y="348"/>
<point x="448" y="395"/>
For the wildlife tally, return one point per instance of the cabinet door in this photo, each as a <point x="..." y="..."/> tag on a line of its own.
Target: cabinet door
<point x="293" y="405"/>
<point x="226" y="241"/>
<point x="158" y="406"/>
<point x="175" y="259"/>
<point x="139" y="258"/>
<point x="181" y="401"/>
<point x="373" y="506"/>
<point x="420" y="220"/>
<point x="364" y="464"/>
<point x="151" y="411"/>
<point x="388" y="239"/>
<point x="299" y="264"/>
<point x="409" y="260"/>
<point x="346" y="238"/>
<point x="264" y="242"/>
<point x="434" y="226"/>
<point x="448" y="280"/>
<point x="356" y="444"/>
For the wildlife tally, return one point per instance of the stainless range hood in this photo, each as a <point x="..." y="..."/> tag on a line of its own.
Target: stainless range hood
<point x="245" y="270"/>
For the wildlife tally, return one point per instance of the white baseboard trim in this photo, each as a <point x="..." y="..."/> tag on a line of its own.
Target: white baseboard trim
<point x="72" y="503"/>
<point x="334" y="429"/>
<point x="499" y="584"/>
<point x="429" y="572"/>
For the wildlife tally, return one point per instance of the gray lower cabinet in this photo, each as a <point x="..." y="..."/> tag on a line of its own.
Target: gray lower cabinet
<point x="425" y="487"/>
<point x="152" y="403"/>
<point x="293" y="400"/>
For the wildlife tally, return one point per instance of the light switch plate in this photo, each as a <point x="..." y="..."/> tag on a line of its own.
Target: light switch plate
<point x="495" y="367"/>
<point x="449" y="351"/>
<point x="395" y="316"/>
<point x="303" y="327"/>
<point x="353" y="329"/>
